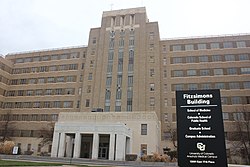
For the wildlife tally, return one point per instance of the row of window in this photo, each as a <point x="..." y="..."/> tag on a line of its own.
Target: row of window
<point x="62" y="67"/>
<point x="29" y="117"/>
<point x="58" y="79"/>
<point x="218" y="85"/>
<point x="213" y="45"/>
<point x="41" y="92"/>
<point x="5" y="67"/>
<point x="23" y="133"/>
<point x="47" y="58"/>
<point x="209" y="58"/>
<point x="38" y="104"/>
<point x="211" y="72"/>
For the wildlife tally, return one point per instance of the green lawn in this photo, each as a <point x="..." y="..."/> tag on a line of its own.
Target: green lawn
<point x="26" y="163"/>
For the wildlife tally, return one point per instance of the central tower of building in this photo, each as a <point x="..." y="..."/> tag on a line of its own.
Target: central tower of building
<point x="122" y="65"/>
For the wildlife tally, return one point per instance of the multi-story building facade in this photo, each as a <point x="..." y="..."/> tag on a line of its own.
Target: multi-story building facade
<point x="126" y="67"/>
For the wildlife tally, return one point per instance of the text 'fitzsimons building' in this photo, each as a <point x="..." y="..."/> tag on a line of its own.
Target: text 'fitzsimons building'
<point x="117" y="95"/>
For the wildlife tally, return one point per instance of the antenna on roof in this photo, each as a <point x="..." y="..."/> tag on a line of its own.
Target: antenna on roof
<point x="111" y="6"/>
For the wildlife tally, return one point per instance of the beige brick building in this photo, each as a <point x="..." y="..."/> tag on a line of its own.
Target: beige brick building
<point x="126" y="67"/>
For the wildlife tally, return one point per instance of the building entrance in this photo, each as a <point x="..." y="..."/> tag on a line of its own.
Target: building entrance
<point x="103" y="151"/>
<point x="86" y="145"/>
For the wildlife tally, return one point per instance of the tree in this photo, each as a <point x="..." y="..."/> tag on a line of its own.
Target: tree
<point x="7" y="127"/>
<point x="242" y="135"/>
<point x="47" y="134"/>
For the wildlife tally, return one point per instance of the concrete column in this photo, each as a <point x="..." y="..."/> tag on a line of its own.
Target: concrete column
<point x="120" y="147"/>
<point x="95" y="147"/>
<point x="77" y="147"/>
<point x="61" y="145"/>
<point x="111" y="146"/>
<point x="55" y="144"/>
<point x="69" y="146"/>
<point x="128" y="146"/>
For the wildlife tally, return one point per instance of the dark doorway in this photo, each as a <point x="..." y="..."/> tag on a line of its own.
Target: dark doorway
<point x="86" y="145"/>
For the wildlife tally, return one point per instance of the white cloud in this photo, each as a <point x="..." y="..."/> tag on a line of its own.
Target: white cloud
<point x="41" y="24"/>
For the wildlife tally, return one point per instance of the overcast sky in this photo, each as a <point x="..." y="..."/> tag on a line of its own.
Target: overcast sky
<point x="27" y="25"/>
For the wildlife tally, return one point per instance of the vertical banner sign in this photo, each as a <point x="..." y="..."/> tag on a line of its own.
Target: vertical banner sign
<point x="200" y="130"/>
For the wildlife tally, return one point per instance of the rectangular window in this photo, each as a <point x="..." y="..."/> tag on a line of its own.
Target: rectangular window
<point x="54" y="57"/>
<point x="216" y="58"/>
<point x="192" y="86"/>
<point x="245" y="70"/>
<point x="246" y="85"/>
<point x="230" y="57"/>
<point x="203" y="58"/>
<point x="36" y="59"/>
<point x="202" y="46"/>
<point x="70" y="91"/>
<point x="41" y="80"/>
<point x="215" y="46"/>
<point x="224" y="100"/>
<point x="241" y="44"/>
<point x="234" y="85"/>
<point x="176" y="48"/>
<point x="227" y="44"/>
<point x="236" y="100"/>
<point x="178" y="73"/>
<point x="87" y="103"/>
<point x="151" y="72"/>
<point x="89" y="89"/>
<point x="152" y="87"/>
<point x="204" y="72"/>
<point x="47" y="104"/>
<point x="191" y="72"/>
<point x="178" y="87"/>
<point x="58" y="91"/>
<point x="205" y="86"/>
<point x="70" y="78"/>
<point x="238" y="116"/>
<point x="243" y="57"/>
<point x="218" y="71"/>
<point x="43" y="69"/>
<point x="72" y="66"/>
<point x="219" y="85"/>
<point x="36" y="104"/>
<point x="191" y="59"/>
<point x="57" y="104"/>
<point x="52" y="68"/>
<point x="177" y="60"/>
<point x="189" y="47"/>
<point x="64" y="56"/>
<point x="29" y="92"/>
<point x="20" y="92"/>
<point x="108" y="81"/>
<point x="144" y="129"/>
<point x="110" y="67"/>
<point x="152" y="101"/>
<point x="90" y="76"/>
<point x="165" y="102"/>
<point x="51" y="80"/>
<point x="39" y="92"/>
<point x="231" y="71"/>
<point x="60" y="79"/>
<point x="67" y="104"/>
<point x="225" y="116"/>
